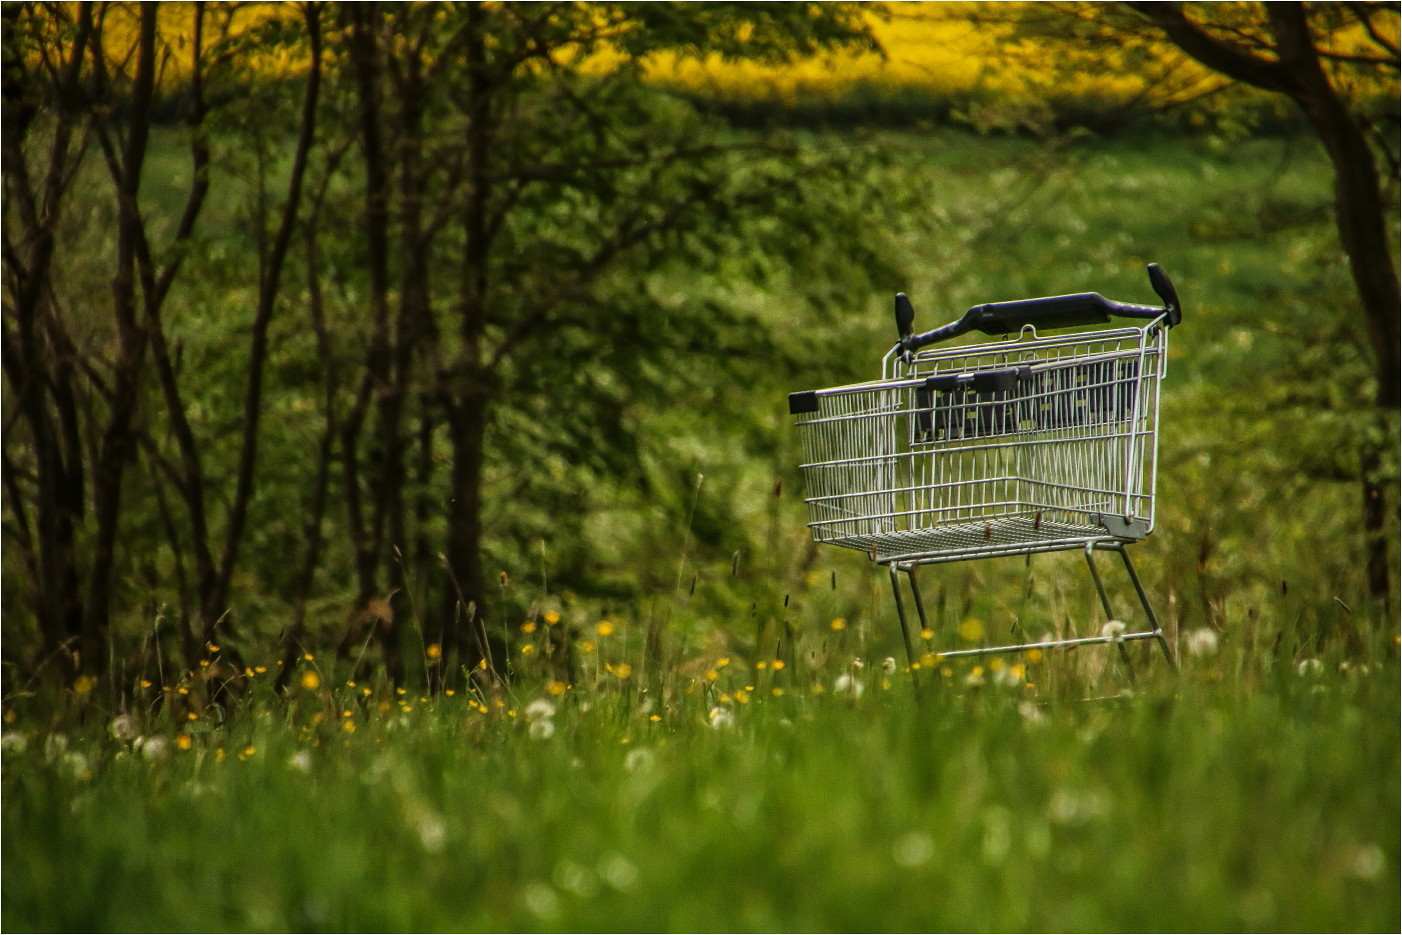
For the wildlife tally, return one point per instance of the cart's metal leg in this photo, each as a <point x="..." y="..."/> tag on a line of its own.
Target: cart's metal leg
<point x="1148" y="611"/>
<point x="900" y="613"/>
<point x="919" y="604"/>
<point x="1105" y="603"/>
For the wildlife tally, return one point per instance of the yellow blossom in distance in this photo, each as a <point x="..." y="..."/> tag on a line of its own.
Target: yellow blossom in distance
<point x="310" y="680"/>
<point x="604" y="628"/>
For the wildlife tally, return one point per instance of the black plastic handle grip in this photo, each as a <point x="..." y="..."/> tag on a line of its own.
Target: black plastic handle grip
<point x="1055" y="311"/>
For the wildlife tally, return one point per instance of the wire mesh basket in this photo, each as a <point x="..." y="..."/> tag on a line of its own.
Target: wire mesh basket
<point x="1024" y="444"/>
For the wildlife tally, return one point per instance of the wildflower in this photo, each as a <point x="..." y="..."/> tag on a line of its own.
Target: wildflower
<point x="551" y="618"/>
<point x="721" y="718"/>
<point x="975" y="677"/>
<point x="848" y="684"/>
<point x="776" y="691"/>
<point x="309" y="657"/>
<point x="84" y="684"/>
<point x="742" y="697"/>
<point x="711" y="675"/>
<point x="145" y="683"/>
<point x="623" y="670"/>
<point x="927" y="634"/>
<point x="540" y="708"/>
<point x="153" y="748"/>
<point x="1114" y="631"/>
<point x="260" y="669"/>
<point x="503" y="578"/>
<point x="310" y="680"/>
<point x="838" y="623"/>
<point x="76" y="765"/>
<point x="1031" y="713"/>
<point x="348" y="726"/>
<point x="13" y="741"/>
<point x="123" y="728"/>
<point x="556" y="687"/>
<point x="433" y="651"/>
<point x="1034" y="655"/>
<point x="587" y="646"/>
<point x="762" y="665"/>
<point x="301" y="761"/>
<point x="604" y="628"/>
<point x="432" y="833"/>
<point x="527" y="649"/>
<point x="1202" y="642"/>
<point x="857" y="663"/>
<point x="777" y="664"/>
<point x="183" y="741"/>
<point x="528" y="627"/>
<point x="248" y="751"/>
<point x="971" y="630"/>
<point x="211" y="647"/>
<point x="722" y="662"/>
<point x="888" y="665"/>
<point x="639" y="758"/>
<point x="542" y="729"/>
<point x="1309" y="667"/>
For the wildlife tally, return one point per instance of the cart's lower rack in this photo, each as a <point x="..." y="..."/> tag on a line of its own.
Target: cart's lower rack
<point x="955" y="542"/>
<point x="1052" y="644"/>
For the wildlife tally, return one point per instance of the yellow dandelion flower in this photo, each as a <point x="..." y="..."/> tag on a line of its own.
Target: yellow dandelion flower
<point x="204" y="663"/>
<point x="248" y="751"/>
<point x="145" y="683"/>
<point x="971" y="629"/>
<point x="556" y="687"/>
<point x="743" y="697"/>
<point x="449" y="692"/>
<point x="711" y="675"/>
<point x="219" y="755"/>
<point x="929" y="659"/>
<point x="191" y="716"/>
<point x="348" y="726"/>
<point x="260" y="669"/>
<point x="11" y="717"/>
<point x="423" y="699"/>
<point x="309" y="657"/>
<point x="248" y="671"/>
<point x="84" y="684"/>
<point x="183" y="690"/>
<point x="365" y="690"/>
<point x="399" y="691"/>
<point x="722" y="662"/>
<point x="406" y="707"/>
<point x="776" y="691"/>
<point x="996" y="664"/>
<point x="604" y="628"/>
<point x="838" y="623"/>
<point x="1034" y="655"/>
<point x="498" y="703"/>
<point x="183" y="741"/>
<point x="527" y="649"/>
<point x="510" y="712"/>
<point x="762" y="665"/>
<point x="310" y="680"/>
<point x="587" y="646"/>
<point x="482" y="663"/>
<point x="777" y="664"/>
<point x="623" y="670"/>
<point x="528" y="626"/>
<point x="723" y="698"/>
<point x="211" y="647"/>
<point x="655" y="718"/>
<point x="927" y="634"/>
<point x="551" y="618"/>
<point x="433" y="651"/>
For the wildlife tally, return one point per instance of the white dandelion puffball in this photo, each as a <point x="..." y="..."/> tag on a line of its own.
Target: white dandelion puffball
<point x="1202" y="642"/>
<point x="1114" y="631"/>
<point x="848" y="684"/>
<point x="124" y="728"/>
<point x="721" y="718"/>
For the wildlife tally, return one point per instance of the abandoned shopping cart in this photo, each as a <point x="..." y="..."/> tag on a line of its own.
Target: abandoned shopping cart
<point x="1030" y="443"/>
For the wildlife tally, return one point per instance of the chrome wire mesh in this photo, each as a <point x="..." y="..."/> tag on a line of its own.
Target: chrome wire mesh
<point x="1026" y="445"/>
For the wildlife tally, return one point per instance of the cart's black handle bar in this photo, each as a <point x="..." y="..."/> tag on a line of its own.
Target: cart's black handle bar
<point x="1055" y="311"/>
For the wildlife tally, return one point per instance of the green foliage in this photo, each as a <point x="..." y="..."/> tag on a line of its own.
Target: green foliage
<point x="1206" y="802"/>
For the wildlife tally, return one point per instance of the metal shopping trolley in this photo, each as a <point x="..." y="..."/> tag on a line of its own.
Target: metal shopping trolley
<point x="1029" y="443"/>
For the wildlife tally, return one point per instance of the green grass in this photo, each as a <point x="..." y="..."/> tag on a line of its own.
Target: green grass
<point x="1205" y="802"/>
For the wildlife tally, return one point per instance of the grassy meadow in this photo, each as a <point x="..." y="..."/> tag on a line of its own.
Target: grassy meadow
<point x="736" y="742"/>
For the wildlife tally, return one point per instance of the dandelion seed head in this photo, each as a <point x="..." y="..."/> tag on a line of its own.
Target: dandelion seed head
<point x="540" y="708"/>
<point x="123" y="728"/>
<point x="1114" y="631"/>
<point x="542" y="728"/>
<point x="153" y="748"/>
<point x="849" y="685"/>
<point x="1202" y="642"/>
<point x="301" y="761"/>
<point x="888" y="665"/>
<point x="721" y="718"/>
